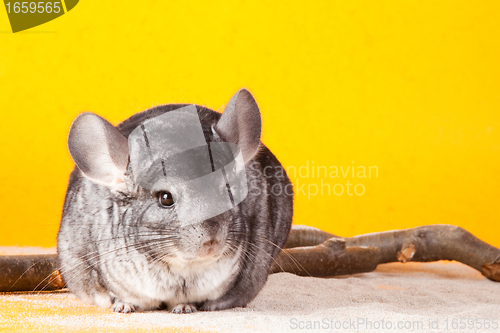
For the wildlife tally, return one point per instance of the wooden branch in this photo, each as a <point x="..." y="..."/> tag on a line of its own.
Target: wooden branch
<point x="303" y="235"/>
<point x="29" y="273"/>
<point x="329" y="258"/>
<point x="363" y="253"/>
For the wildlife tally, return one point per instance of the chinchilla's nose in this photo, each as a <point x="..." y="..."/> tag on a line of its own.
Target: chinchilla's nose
<point x="210" y="247"/>
<point x="211" y="240"/>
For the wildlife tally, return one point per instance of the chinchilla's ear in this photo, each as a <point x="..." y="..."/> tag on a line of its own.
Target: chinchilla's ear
<point x="99" y="150"/>
<point x="240" y="123"/>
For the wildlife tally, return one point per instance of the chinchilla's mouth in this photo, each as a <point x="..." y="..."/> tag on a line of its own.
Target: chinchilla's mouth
<point x="197" y="258"/>
<point x="192" y="263"/>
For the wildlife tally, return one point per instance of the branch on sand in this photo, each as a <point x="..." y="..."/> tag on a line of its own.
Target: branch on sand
<point x="313" y="252"/>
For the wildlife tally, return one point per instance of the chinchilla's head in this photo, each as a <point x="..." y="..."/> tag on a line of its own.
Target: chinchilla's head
<point x="176" y="179"/>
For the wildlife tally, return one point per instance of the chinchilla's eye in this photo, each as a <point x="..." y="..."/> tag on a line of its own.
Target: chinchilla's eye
<point x="165" y="199"/>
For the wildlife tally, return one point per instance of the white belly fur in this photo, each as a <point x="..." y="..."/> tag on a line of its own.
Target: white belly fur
<point x="184" y="282"/>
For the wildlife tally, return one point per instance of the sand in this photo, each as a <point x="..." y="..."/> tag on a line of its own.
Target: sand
<point x="411" y="297"/>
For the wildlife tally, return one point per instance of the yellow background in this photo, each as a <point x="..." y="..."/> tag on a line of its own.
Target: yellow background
<point x="408" y="86"/>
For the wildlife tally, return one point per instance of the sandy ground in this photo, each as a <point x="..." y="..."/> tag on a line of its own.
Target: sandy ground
<point x="411" y="297"/>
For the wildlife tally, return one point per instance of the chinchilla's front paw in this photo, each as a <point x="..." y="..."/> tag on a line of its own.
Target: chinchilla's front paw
<point x="122" y="307"/>
<point x="184" y="308"/>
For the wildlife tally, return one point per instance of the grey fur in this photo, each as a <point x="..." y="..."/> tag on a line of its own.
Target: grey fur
<point x="119" y="249"/>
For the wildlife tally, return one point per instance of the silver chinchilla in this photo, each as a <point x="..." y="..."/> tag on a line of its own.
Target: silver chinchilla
<point x="177" y="207"/>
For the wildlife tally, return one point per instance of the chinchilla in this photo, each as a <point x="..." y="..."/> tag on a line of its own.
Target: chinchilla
<point x="149" y="224"/>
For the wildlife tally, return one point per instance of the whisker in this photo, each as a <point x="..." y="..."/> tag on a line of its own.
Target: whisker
<point x="85" y="259"/>
<point x="292" y="258"/>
